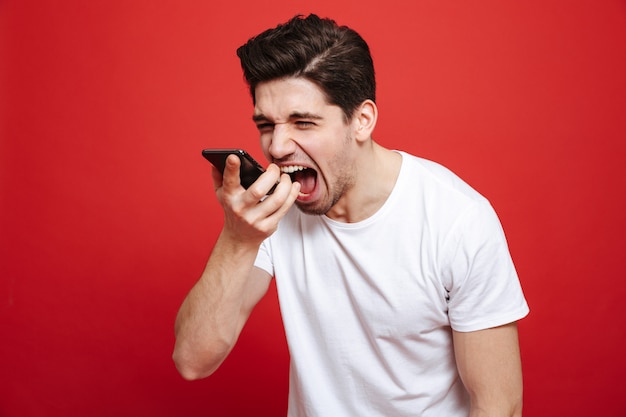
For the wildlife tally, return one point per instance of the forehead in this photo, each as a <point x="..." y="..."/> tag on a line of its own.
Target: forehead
<point x="284" y="96"/>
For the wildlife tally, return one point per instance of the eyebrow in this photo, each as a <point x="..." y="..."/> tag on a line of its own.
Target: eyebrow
<point x="296" y="115"/>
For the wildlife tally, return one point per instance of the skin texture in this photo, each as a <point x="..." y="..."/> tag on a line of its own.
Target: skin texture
<point x="215" y="310"/>
<point x="490" y="367"/>
<point x="298" y="127"/>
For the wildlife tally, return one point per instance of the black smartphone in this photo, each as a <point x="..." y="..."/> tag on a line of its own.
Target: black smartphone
<point x="249" y="171"/>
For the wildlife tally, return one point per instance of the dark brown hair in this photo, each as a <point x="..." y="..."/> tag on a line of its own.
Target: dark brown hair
<point x="336" y="58"/>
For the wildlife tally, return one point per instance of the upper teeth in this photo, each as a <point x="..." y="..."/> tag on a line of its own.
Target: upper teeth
<point x="292" y="168"/>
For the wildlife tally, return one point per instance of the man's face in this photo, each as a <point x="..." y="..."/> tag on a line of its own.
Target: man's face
<point x="308" y="138"/>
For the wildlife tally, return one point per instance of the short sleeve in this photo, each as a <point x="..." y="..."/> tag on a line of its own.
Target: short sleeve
<point x="263" y="258"/>
<point x="482" y="283"/>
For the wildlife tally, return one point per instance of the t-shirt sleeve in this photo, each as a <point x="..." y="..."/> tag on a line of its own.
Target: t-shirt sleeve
<point x="482" y="283"/>
<point x="264" y="259"/>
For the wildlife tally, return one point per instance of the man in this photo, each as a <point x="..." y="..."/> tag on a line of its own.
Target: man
<point x="397" y="290"/>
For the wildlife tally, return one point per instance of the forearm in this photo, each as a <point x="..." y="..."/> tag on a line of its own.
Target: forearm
<point x="211" y="317"/>
<point x="215" y="310"/>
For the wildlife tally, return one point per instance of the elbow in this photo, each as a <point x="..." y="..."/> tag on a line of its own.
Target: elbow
<point x="189" y="371"/>
<point x="516" y="408"/>
<point x="190" y="374"/>
<point x="508" y="408"/>
<point x="197" y="365"/>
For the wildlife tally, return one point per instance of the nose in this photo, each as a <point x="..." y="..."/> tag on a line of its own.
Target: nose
<point x="282" y="142"/>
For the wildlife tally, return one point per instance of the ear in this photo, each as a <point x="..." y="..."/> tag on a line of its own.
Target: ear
<point x="364" y="120"/>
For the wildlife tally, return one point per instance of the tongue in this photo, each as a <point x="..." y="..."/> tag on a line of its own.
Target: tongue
<point x="306" y="178"/>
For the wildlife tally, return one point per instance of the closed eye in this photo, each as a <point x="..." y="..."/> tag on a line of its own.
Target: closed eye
<point x="265" y="126"/>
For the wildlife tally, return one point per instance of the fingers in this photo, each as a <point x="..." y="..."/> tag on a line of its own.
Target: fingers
<point x="285" y="194"/>
<point x="292" y="190"/>
<point x="273" y="208"/>
<point x="264" y="184"/>
<point x="264" y="214"/>
<point x="217" y="178"/>
<point x="252" y="212"/>
<point x="230" y="179"/>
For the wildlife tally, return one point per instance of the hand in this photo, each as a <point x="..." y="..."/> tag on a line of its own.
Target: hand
<point x="249" y="215"/>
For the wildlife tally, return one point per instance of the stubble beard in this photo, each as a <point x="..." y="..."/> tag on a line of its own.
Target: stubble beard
<point x="345" y="179"/>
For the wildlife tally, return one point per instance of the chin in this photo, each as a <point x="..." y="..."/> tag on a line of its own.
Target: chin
<point x="317" y="203"/>
<point x="312" y="209"/>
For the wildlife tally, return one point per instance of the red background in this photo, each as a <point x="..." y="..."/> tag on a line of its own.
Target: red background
<point x="108" y="214"/>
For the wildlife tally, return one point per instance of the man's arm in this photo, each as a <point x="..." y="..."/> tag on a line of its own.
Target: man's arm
<point x="490" y="366"/>
<point x="214" y="312"/>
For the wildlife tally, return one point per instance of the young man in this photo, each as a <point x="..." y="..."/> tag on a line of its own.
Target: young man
<point x="397" y="290"/>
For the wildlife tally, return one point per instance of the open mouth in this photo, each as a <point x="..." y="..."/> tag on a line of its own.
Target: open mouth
<point x="307" y="177"/>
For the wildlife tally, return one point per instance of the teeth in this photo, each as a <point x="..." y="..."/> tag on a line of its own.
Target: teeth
<point x="291" y="169"/>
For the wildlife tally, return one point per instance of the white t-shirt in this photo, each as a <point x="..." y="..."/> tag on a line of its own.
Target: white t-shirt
<point x="368" y="307"/>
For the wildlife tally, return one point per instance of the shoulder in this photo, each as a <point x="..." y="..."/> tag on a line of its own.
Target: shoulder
<point x="435" y="177"/>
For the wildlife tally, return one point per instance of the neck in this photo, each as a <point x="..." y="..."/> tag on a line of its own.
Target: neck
<point x="376" y="172"/>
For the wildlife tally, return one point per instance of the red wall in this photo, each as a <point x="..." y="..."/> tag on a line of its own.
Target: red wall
<point x="108" y="214"/>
